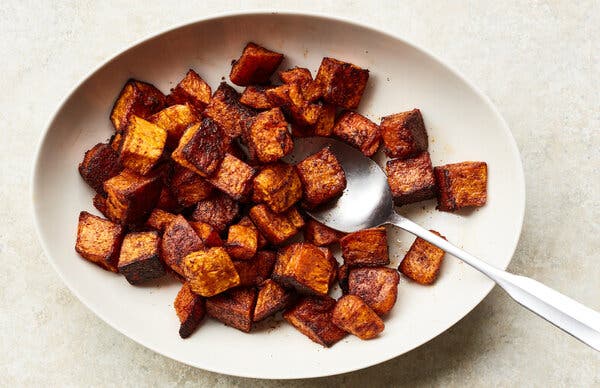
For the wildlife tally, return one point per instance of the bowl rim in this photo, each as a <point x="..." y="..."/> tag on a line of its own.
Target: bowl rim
<point x="35" y="173"/>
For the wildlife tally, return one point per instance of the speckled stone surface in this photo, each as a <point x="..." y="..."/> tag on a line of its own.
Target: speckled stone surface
<point x="538" y="61"/>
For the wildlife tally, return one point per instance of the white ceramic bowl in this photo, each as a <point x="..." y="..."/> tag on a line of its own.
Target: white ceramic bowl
<point x="462" y="125"/>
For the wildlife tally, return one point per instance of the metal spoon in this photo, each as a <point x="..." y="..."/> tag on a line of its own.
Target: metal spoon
<point x="367" y="202"/>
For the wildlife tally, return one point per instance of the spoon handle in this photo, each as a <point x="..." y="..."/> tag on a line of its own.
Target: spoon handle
<point x="574" y="318"/>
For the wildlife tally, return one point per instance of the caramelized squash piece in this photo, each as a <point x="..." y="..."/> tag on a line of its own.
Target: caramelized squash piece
<point x="304" y="267"/>
<point x="423" y="261"/>
<point x="312" y="316"/>
<point x="219" y="211"/>
<point x="255" y="66"/>
<point x="277" y="228"/>
<point x="411" y="180"/>
<point x="190" y="309"/>
<point x="143" y="145"/>
<point x="278" y="186"/>
<point x="356" y="317"/>
<point x="179" y="240"/>
<point x="358" y="131"/>
<point x="377" y="286"/>
<point x="342" y="84"/>
<point x="99" y="164"/>
<point x="234" y="308"/>
<point x="322" y="177"/>
<point x="136" y="98"/>
<point x="365" y="248"/>
<point x="210" y="271"/>
<point x="461" y="185"/>
<point x="139" y="259"/>
<point x="99" y="240"/>
<point x="131" y="197"/>
<point x="191" y="89"/>
<point x="404" y="134"/>
<point x="271" y="299"/>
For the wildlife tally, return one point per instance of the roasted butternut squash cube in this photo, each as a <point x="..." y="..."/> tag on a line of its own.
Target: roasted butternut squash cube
<point x="226" y="109"/>
<point x="271" y="299"/>
<point x="206" y="148"/>
<point x="99" y="240"/>
<point x="312" y="315"/>
<point x="233" y="177"/>
<point x="461" y="185"/>
<point x="319" y="234"/>
<point x="177" y="154"/>
<point x="365" y="248"/>
<point x="265" y="262"/>
<point x="256" y="270"/>
<point x="377" y="287"/>
<point x="256" y="97"/>
<point x="166" y="201"/>
<point x="99" y="202"/>
<point x="300" y="75"/>
<point x="191" y="89"/>
<point x="322" y="178"/>
<point x="358" y="131"/>
<point x="333" y="275"/>
<point x="99" y="164"/>
<point x="352" y="314"/>
<point x="234" y="308"/>
<point x="423" y="261"/>
<point x="207" y="233"/>
<point x="322" y="127"/>
<point x="260" y="240"/>
<point x="143" y="145"/>
<point x="131" y="197"/>
<point x="160" y="219"/>
<point x="291" y="99"/>
<point x="304" y="267"/>
<point x="276" y="227"/>
<point x="136" y="98"/>
<point x="175" y="119"/>
<point x="179" y="240"/>
<point x="242" y="242"/>
<point x="190" y="309"/>
<point x="219" y="211"/>
<point x="404" y="134"/>
<point x="189" y="188"/>
<point x="255" y="66"/>
<point x="343" y="272"/>
<point x="411" y="180"/>
<point x="202" y="148"/>
<point x="247" y="272"/>
<point x="278" y="96"/>
<point x="341" y="83"/>
<point x="325" y="121"/>
<point x="210" y="271"/>
<point x="278" y="186"/>
<point x="268" y="139"/>
<point x="139" y="259"/>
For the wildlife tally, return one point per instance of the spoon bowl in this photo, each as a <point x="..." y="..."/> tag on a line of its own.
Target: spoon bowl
<point x="367" y="199"/>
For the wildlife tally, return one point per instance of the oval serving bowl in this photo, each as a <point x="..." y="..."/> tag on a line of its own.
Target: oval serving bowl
<point x="462" y="125"/>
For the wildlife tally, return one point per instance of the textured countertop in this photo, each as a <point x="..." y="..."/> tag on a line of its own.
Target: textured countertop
<point x="538" y="61"/>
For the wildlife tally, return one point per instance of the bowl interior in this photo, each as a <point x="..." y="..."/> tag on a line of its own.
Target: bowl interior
<point x="462" y="125"/>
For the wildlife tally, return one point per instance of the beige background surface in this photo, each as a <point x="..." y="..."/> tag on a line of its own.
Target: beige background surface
<point x="538" y="61"/>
